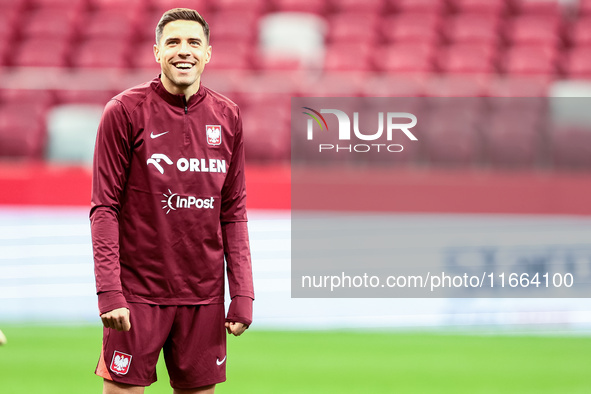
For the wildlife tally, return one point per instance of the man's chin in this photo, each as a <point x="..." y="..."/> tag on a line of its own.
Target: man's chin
<point x="185" y="81"/>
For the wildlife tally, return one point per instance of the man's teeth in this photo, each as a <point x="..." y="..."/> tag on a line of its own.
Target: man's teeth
<point x="183" y="65"/>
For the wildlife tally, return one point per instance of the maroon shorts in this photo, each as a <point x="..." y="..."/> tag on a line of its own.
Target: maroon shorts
<point x="193" y="339"/>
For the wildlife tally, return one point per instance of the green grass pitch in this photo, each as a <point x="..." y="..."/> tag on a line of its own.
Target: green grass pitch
<point x="50" y="359"/>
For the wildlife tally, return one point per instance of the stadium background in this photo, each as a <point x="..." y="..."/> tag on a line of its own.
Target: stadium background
<point x="61" y="60"/>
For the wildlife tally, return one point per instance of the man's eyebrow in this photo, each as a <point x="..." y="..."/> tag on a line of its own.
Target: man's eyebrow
<point x="168" y="39"/>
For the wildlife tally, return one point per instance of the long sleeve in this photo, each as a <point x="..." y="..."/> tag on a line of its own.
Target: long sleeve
<point x="110" y="166"/>
<point x="239" y="269"/>
<point x="235" y="236"/>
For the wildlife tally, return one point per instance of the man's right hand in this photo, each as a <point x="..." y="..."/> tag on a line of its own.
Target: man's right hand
<point x="117" y="319"/>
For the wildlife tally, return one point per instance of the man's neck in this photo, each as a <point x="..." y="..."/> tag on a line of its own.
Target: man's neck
<point x="174" y="89"/>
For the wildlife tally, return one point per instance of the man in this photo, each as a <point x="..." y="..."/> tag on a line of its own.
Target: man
<point x="168" y="203"/>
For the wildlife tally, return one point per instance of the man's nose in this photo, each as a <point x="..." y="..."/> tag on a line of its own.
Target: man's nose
<point x="184" y="48"/>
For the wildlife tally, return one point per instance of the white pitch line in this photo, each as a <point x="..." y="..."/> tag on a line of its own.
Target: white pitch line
<point x="69" y="290"/>
<point x="272" y="285"/>
<point x="271" y="265"/>
<point x="282" y="244"/>
<point x="9" y="252"/>
<point x="31" y="271"/>
<point x="38" y="231"/>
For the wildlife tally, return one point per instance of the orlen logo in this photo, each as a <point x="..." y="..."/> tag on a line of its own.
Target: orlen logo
<point x="173" y="201"/>
<point x="344" y="132"/>
<point x="191" y="165"/>
<point x="155" y="160"/>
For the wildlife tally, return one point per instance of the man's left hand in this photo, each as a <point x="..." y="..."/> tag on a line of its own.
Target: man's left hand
<point x="236" y="328"/>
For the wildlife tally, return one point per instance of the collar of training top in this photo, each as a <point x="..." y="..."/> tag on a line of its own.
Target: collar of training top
<point x="177" y="99"/>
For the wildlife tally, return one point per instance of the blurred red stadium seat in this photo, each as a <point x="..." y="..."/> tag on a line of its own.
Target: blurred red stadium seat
<point x="160" y="6"/>
<point x="473" y="28"/>
<point x="580" y="31"/>
<point x="437" y="6"/>
<point x="128" y="7"/>
<point x="147" y="25"/>
<point x="405" y="58"/>
<point x="234" y="26"/>
<point x="143" y="57"/>
<point x="334" y="84"/>
<point x="576" y="63"/>
<point x="411" y="27"/>
<point x="311" y="6"/>
<point x="530" y="59"/>
<point x="260" y="88"/>
<point x="76" y="6"/>
<point x="369" y="6"/>
<point x="457" y="85"/>
<point x="353" y="28"/>
<point x="394" y="86"/>
<point x="276" y="62"/>
<point x="519" y="86"/>
<point x="8" y="20"/>
<point x="51" y="24"/>
<point x="468" y="58"/>
<point x="485" y="7"/>
<point x="230" y="55"/>
<point x="40" y="99"/>
<point x="101" y="53"/>
<point x="257" y="6"/>
<point x="534" y="29"/>
<point x="10" y="4"/>
<point x="98" y="97"/>
<point x="41" y="52"/>
<point x="4" y="45"/>
<point x="537" y="7"/>
<point x="110" y="24"/>
<point x="340" y="57"/>
<point x="277" y="101"/>
<point x="584" y="7"/>
<point x="22" y="131"/>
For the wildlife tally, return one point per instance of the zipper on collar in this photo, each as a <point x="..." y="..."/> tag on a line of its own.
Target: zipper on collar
<point x="186" y="107"/>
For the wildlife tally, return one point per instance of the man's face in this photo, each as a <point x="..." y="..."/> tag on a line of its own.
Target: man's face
<point x="182" y="52"/>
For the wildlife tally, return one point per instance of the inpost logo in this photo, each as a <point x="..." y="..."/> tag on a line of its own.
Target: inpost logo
<point x="173" y="201"/>
<point x="395" y="122"/>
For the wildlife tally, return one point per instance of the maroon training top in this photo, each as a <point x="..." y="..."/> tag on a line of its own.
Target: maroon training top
<point x="168" y="201"/>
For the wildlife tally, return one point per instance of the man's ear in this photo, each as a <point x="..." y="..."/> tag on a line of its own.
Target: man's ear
<point x="208" y="58"/>
<point x="157" y="53"/>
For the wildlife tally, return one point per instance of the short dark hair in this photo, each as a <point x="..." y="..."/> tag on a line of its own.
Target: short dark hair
<point x="176" y="14"/>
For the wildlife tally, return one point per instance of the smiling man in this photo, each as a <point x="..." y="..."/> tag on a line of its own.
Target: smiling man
<point x="168" y="205"/>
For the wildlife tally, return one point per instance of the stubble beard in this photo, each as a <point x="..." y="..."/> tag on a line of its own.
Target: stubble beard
<point x="181" y="82"/>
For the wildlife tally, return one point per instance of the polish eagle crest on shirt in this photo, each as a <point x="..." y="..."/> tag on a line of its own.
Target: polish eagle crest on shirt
<point x="214" y="134"/>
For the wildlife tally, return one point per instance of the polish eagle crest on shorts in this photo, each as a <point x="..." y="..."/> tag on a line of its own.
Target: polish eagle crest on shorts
<point x="120" y="363"/>
<point x="214" y="134"/>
